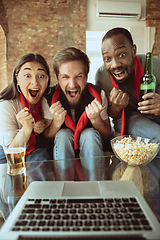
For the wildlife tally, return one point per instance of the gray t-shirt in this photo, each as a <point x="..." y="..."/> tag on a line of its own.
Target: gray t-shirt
<point x="102" y="79"/>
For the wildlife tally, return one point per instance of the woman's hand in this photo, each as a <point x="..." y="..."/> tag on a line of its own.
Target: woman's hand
<point x="26" y="119"/>
<point x="39" y="126"/>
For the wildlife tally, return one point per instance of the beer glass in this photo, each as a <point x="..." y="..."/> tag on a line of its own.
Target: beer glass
<point x="14" y="144"/>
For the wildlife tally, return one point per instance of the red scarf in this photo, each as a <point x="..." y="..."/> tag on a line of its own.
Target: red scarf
<point x="137" y="80"/>
<point x="82" y="122"/>
<point x="37" y="117"/>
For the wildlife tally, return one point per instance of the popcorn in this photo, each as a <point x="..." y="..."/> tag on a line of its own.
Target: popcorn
<point x="134" y="152"/>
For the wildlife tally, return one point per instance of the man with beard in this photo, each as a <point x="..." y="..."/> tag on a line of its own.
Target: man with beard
<point x="119" y="77"/>
<point x="80" y="119"/>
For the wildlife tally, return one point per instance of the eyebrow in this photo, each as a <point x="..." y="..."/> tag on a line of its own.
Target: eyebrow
<point x="80" y="72"/>
<point x="39" y="69"/>
<point x="114" y="50"/>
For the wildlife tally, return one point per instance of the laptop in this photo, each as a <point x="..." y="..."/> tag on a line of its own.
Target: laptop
<point x="81" y="210"/>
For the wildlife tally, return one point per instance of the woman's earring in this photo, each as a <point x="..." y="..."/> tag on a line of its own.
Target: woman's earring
<point x="18" y="88"/>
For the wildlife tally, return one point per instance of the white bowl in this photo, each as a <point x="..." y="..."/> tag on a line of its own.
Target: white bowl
<point x="134" y="150"/>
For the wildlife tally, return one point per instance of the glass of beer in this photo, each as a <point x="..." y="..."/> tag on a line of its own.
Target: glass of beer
<point x="14" y="144"/>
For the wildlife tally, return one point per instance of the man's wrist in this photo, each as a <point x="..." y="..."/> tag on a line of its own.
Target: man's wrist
<point x="114" y="109"/>
<point x="114" y="112"/>
<point x="56" y="124"/>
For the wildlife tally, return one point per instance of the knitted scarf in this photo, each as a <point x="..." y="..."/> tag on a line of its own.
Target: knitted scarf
<point x="37" y="117"/>
<point x="137" y="80"/>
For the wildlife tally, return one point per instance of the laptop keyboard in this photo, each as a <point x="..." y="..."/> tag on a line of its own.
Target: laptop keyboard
<point x="114" y="214"/>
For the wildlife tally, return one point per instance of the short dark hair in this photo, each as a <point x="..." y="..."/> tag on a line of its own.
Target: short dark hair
<point x="70" y="54"/>
<point x="118" y="30"/>
<point x="11" y="92"/>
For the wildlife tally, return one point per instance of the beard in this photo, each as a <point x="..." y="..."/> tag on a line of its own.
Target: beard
<point x="74" y="105"/>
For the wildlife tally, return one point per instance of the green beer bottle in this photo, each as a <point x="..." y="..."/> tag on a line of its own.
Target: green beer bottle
<point x="148" y="80"/>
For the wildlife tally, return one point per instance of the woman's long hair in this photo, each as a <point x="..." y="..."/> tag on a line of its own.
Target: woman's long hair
<point x="11" y="91"/>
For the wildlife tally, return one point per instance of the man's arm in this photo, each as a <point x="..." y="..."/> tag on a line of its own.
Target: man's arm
<point x="58" y="113"/>
<point x="93" y="111"/>
<point x="114" y="113"/>
<point x="117" y="101"/>
<point x="103" y="127"/>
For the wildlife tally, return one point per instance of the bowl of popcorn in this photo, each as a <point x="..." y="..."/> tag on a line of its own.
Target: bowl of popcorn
<point x="134" y="150"/>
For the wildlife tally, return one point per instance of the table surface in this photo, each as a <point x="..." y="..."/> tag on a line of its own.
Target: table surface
<point x="13" y="187"/>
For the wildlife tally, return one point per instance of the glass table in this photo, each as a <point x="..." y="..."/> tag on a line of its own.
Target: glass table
<point x="104" y="168"/>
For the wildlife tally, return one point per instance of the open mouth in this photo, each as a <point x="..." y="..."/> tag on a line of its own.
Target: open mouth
<point x="73" y="93"/>
<point x="119" y="75"/>
<point x="34" y="92"/>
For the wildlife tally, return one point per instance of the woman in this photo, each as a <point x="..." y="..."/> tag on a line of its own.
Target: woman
<point x="23" y="106"/>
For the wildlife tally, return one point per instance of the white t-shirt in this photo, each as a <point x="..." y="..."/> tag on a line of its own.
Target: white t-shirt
<point x="10" y="108"/>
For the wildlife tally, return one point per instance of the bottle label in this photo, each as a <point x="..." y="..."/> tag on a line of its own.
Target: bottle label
<point x="149" y="86"/>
